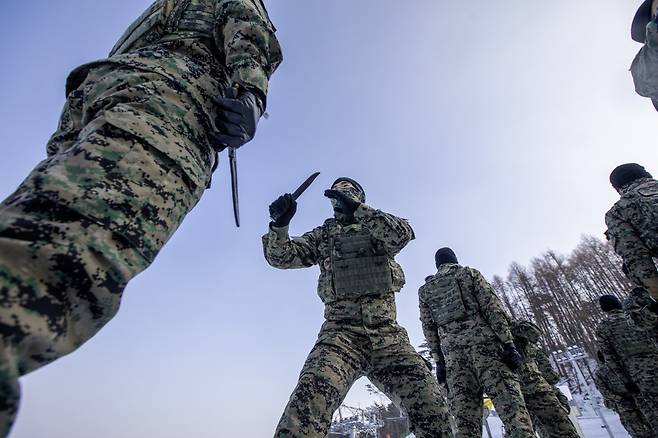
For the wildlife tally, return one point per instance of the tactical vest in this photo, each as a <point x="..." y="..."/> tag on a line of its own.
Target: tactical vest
<point x="172" y="20"/>
<point x="360" y="265"/>
<point x="445" y="299"/>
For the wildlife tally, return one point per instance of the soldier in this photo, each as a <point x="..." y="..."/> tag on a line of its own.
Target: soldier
<point x="644" y="68"/>
<point x="135" y="149"/>
<point x="358" y="279"/>
<point x="618" y="398"/>
<point x="546" y="370"/>
<point x="631" y="354"/>
<point x="469" y="335"/>
<point x="549" y="416"/>
<point x="633" y="224"/>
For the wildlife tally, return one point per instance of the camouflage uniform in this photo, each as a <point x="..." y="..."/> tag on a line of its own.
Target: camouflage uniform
<point x="616" y="397"/>
<point x="641" y="315"/>
<point x="360" y="335"/>
<point x="633" y="231"/>
<point x="631" y="355"/>
<point x="549" y="417"/>
<point x="546" y="370"/>
<point x="468" y="329"/>
<point x="132" y="156"/>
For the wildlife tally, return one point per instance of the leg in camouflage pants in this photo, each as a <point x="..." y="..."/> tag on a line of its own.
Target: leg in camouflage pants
<point x="86" y="220"/>
<point x="475" y="369"/>
<point x="549" y="418"/>
<point x="341" y="355"/>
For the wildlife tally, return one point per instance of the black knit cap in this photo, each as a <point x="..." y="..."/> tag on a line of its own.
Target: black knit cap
<point x="609" y="303"/>
<point x="626" y="174"/>
<point x="445" y="255"/>
<point x="354" y="183"/>
<point x="640" y="21"/>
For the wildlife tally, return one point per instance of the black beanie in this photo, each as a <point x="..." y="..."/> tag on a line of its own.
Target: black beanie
<point x="626" y="174"/>
<point x="354" y="183"/>
<point x="445" y="255"/>
<point x="609" y="303"/>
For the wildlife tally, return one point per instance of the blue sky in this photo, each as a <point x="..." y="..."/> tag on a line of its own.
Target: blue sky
<point x="492" y="128"/>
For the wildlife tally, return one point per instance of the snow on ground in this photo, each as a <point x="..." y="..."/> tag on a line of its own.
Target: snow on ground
<point x="591" y="426"/>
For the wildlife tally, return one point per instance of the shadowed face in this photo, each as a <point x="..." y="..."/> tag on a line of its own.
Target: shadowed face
<point x="349" y="189"/>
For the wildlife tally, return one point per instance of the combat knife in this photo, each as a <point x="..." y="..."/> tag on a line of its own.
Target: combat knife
<point x="301" y="189"/>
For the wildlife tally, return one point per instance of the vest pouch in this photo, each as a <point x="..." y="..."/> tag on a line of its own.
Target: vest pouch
<point x="445" y="300"/>
<point x="358" y="267"/>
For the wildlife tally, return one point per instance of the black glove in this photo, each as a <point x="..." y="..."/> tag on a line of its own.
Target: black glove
<point x="441" y="373"/>
<point x="346" y="205"/>
<point x="632" y="388"/>
<point x="237" y="118"/>
<point x="511" y="357"/>
<point x="282" y="210"/>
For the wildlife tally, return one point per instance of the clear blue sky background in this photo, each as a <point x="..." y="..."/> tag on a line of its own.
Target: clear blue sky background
<point x="492" y="126"/>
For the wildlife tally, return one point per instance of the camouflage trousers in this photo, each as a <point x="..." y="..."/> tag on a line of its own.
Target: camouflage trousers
<point x="633" y="420"/>
<point x="473" y="369"/>
<point x="86" y="220"/>
<point x="342" y="354"/>
<point x="548" y="415"/>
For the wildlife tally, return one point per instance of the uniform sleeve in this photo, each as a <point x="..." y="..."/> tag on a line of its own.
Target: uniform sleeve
<point x="430" y="329"/>
<point x="637" y="258"/>
<point x="545" y="368"/>
<point x="392" y="231"/>
<point x="251" y="48"/>
<point x="282" y="252"/>
<point x="612" y="360"/>
<point x="490" y="306"/>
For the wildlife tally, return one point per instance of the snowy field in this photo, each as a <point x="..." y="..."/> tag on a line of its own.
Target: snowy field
<point x="591" y="427"/>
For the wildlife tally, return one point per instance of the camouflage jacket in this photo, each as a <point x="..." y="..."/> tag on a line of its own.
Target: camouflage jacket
<point x="633" y="228"/>
<point x="314" y="248"/>
<point x="487" y="323"/>
<point x="536" y="370"/>
<point x="212" y="45"/>
<point x="545" y="367"/>
<point x="620" y="340"/>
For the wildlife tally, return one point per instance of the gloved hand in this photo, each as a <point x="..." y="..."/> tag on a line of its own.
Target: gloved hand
<point x="346" y="205"/>
<point x="282" y="210"/>
<point x="632" y="388"/>
<point x="237" y="118"/>
<point x="511" y="357"/>
<point x="441" y="373"/>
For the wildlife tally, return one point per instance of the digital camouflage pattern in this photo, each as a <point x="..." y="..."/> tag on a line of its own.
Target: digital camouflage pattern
<point x="619" y="399"/>
<point x="130" y="159"/>
<point x="360" y="336"/>
<point x="549" y="417"/>
<point x="637" y="307"/>
<point x="472" y="348"/>
<point x="633" y="231"/>
<point x="631" y="354"/>
<point x="546" y="370"/>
